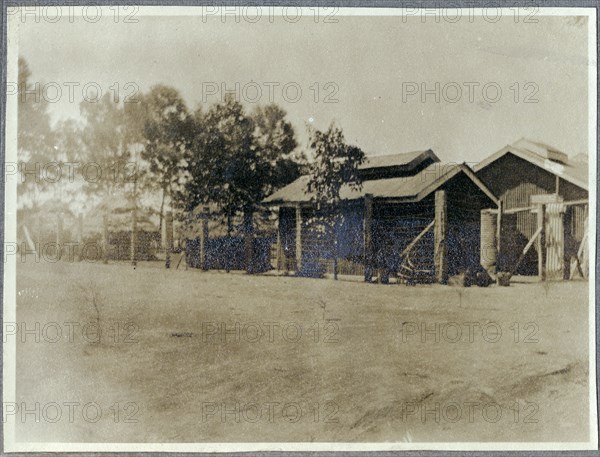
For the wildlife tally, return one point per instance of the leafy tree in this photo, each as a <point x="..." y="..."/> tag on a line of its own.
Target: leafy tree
<point x="238" y="159"/>
<point x="276" y="142"/>
<point x="35" y="137"/>
<point x="335" y="165"/>
<point x="107" y="168"/>
<point x="68" y="155"/>
<point x="225" y="165"/>
<point x="167" y="132"/>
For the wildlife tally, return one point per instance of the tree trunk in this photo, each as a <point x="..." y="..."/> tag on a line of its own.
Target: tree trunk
<point x="161" y="218"/>
<point x="248" y="239"/>
<point x="228" y="253"/>
<point x="334" y="239"/>
<point x="105" y="239"/>
<point x="169" y="238"/>
<point x="59" y="230"/>
<point x="80" y="237"/>
<point x="134" y="237"/>
<point x="204" y="238"/>
<point x="134" y="226"/>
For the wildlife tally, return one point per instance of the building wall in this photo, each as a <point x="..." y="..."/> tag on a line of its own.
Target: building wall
<point x="394" y="226"/>
<point x="514" y="180"/>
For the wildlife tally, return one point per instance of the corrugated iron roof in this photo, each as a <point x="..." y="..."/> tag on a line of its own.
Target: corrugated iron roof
<point x="410" y="188"/>
<point x="410" y="159"/>
<point x="543" y="156"/>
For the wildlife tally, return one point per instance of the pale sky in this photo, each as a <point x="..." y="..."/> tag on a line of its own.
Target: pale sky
<point x="373" y="62"/>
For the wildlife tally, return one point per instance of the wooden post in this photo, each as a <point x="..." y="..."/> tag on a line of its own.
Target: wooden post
<point x="80" y="237"/>
<point x="499" y="231"/>
<point x="134" y="220"/>
<point x="555" y="241"/>
<point x="334" y="233"/>
<point x="30" y="243"/>
<point x="163" y="230"/>
<point x="368" y="237"/>
<point x="284" y="234"/>
<point x="298" y="238"/>
<point x="280" y="252"/>
<point x="335" y="265"/>
<point x="204" y="238"/>
<point x="105" y="239"/>
<point x="168" y="238"/>
<point x="59" y="230"/>
<point x="582" y="252"/>
<point x="248" y="240"/>
<point x="229" y="240"/>
<point x="279" y="248"/>
<point x="134" y="237"/>
<point x="541" y="241"/>
<point x="440" y="238"/>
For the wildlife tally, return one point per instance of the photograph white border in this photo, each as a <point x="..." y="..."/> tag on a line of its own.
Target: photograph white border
<point x="9" y="299"/>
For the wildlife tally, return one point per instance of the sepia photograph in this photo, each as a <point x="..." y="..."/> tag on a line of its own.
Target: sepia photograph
<point x="235" y="228"/>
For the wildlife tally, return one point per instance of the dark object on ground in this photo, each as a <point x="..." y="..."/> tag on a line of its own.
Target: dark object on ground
<point x="503" y="278"/>
<point x="475" y="276"/>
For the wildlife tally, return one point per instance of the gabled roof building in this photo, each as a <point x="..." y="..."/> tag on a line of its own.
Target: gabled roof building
<point x="523" y="175"/>
<point x="413" y="217"/>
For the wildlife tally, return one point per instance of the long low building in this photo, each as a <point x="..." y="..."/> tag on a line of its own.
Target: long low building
<point x="414" y="217"/>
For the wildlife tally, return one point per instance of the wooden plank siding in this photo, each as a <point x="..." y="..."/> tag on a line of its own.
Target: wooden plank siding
<point x="514" y="180"/>
<point x="393" y="226"/>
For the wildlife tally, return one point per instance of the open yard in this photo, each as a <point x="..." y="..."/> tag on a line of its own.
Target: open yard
<point x="215" y="357"/>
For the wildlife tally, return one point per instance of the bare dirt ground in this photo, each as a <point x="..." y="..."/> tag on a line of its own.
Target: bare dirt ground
<point x="336" y="360"/>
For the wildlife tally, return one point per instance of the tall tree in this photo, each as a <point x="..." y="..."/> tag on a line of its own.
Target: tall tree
<point x="335" y="165"/>
<point x="35" y="137"/>
<point x="167" y="133"/>
<point x="68" y="155"/>
<point x="226" y="167"/>
<point x="276" y="142"/>
<point x="238" y="159"/>
<point x="107" y="168"/>
<point x="224" y="164"/>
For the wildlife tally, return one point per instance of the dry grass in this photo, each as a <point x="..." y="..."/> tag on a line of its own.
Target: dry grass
<point x="365" y="380"/>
